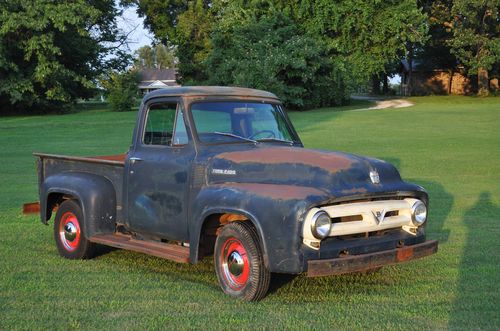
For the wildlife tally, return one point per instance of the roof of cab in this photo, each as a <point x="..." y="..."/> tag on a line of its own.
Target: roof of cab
<point x="210" y="91"/>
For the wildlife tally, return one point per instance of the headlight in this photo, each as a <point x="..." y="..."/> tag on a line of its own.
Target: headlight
<point x="321" y="224"/>
<point x="418" y="213"/>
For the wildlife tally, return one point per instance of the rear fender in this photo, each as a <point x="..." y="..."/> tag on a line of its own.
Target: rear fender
<point x="95" y="194"/>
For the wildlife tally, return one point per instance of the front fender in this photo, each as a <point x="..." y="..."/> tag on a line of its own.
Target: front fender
<point x="275" y="210"/>
<point x="96" y="195"/>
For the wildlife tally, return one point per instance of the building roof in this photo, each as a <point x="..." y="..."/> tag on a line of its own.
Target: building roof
<point x="212" y="91"/>
<point x="158" y="74"/>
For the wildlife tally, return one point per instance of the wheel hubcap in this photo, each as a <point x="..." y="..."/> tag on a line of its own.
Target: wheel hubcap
<point x="69" y="231"/>
<point x="235" y="264"/>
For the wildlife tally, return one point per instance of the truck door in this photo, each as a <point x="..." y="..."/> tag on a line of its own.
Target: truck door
<point x="157" y="171"/>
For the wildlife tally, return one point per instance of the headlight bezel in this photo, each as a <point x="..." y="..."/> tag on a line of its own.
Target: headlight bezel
<point x="416" y="215"/>
<point x="314" y="225"/>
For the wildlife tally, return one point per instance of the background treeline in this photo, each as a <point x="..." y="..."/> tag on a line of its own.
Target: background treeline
<point x="311" y="53"/>
<point x="53" y="52"/>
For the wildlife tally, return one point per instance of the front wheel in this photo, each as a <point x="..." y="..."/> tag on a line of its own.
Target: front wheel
<point x="239" y="262"/>
<point x="68" y="232"/>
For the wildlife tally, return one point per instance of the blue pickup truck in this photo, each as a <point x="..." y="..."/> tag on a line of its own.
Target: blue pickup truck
<point x="221" y="171"/>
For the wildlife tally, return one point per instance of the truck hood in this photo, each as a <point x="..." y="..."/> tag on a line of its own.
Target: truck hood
<point x="334" y="173"/>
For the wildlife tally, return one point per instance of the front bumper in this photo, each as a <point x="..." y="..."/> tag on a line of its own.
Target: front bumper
<point x="363" y="262"/>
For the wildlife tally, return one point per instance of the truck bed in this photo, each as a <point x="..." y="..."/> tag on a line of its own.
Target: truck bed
<point x="108" y="166"/>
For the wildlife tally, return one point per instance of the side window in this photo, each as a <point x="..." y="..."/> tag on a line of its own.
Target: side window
<point x="161" y="122"/>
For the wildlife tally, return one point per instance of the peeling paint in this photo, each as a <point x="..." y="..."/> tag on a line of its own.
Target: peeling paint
<point x="331" y="161"/>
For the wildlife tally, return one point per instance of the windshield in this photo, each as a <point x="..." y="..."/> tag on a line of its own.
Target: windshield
<point x="240" y="121"/>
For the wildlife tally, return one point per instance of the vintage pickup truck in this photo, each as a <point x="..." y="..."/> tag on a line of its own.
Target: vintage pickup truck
<point x="220" y="170"/>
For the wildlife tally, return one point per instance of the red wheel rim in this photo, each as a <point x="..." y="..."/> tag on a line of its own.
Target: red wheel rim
<point x="234" y="263"/>
<point x="69" y="231"/>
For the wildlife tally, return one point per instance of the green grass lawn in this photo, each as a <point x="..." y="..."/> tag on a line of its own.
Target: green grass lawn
<point x="449" y="145"/>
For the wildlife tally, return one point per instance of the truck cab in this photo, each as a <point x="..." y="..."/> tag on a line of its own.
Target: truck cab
<point x="221" y="171"/>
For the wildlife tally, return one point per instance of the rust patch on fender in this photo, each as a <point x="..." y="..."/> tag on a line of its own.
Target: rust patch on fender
<point x="228" y="218"/>
<point x="285" y="192"/>
<point x="332" y="162"/>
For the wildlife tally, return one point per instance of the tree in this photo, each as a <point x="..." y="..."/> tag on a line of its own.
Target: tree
<point x="51" y="52"/>
<point x="159" y="57"/>
<point x="368" y="34"/>
<point x="269" y="52"/>
<point x="476" y="37"/>
<point x="145" y="57"/>
<point x="121" y="89"/>
<point x="436" y="53"/>
<point x="165" y="57"/>
<point x="185" y="24"/>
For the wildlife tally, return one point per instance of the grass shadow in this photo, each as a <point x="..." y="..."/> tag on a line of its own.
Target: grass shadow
<point x="478" y="279"/>
<point x="440" y="204"/>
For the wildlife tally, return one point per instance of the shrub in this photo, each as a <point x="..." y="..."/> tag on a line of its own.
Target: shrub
<point x="122" y="89"/>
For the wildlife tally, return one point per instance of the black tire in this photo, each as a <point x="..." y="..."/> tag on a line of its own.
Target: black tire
<point x="239" y="262"/>
<point x="69" y="232"/>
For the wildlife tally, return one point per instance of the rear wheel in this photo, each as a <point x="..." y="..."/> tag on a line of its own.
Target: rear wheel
<point x="68" y="232"/>
<point x="239" y="262"/>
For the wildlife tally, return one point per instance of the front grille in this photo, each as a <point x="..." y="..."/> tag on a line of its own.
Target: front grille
<point x="368" y="218"/>
<point x="351" y="218"/>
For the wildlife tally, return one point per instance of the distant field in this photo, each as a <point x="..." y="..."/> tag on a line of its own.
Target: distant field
<point x="449" y="145"/>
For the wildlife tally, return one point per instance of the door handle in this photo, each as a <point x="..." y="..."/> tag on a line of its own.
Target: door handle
<point x="134" y="159"/>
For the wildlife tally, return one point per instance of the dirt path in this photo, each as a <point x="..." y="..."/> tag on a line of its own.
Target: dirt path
<point x="394" y="103"/>
<point x="384" y="104"/>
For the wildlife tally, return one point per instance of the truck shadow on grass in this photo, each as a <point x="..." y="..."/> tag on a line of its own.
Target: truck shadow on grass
<point x="476" y="303"/>
<point x="440" y="204"/>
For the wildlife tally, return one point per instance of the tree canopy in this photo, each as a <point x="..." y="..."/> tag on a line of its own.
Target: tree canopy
<point x="476" y="37"/>
<point x="295" y="49"/>
<point x="52" y="52"/>
<point x="310" y="53"/>
<point x="270" y="52"/>
<point x="159" y="56"/>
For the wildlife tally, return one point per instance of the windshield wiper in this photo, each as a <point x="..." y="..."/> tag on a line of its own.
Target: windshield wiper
<point x="276" y="139"/>
<point x="228" y="134"/>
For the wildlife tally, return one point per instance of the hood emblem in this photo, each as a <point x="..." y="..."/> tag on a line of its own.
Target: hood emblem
<point x="379" y="215"/>
<point x="374" y="177"/>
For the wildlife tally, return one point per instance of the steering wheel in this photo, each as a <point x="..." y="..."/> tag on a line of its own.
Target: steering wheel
<point x="270" y="133"/>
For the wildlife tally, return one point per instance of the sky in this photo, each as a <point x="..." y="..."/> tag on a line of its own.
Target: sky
<point x="139" y="36"/>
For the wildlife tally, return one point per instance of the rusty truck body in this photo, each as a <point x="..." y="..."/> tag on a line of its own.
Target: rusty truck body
<point x="221" y="171"/>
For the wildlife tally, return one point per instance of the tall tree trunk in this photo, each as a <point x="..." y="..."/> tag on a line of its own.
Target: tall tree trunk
<point x="410" y="71"/>
<point x="375" y="84"/>
<point x="451" y="72"/>
<point x="385" y="86"/>
<point x="482" y="82"/>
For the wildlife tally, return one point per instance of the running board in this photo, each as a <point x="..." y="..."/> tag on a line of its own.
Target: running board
<point x="167" y="251"/>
